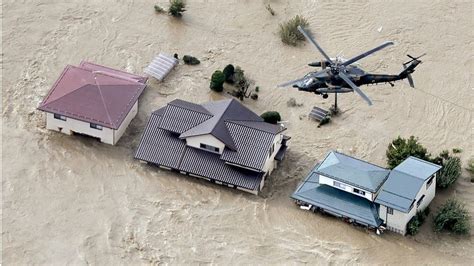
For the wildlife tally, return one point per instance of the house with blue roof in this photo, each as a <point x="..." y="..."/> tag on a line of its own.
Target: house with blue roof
<point x="367" y="194"/>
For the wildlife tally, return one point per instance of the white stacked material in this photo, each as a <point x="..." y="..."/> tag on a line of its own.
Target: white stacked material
<point x="161" y="66"/>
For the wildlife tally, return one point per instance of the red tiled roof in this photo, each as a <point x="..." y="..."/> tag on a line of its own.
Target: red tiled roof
<point x="94" y="94"/>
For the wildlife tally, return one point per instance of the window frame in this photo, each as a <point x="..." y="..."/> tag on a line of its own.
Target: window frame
<point x="209" y="148"/>
<point x="95" y="126"/>
<point x="59" y="117"/>
<point x="430" y="181"/>
<point x="338" y="184"/>
<point x="358" y="191"/>
<point x="389" y="210"/>
<point x="419" y="201"/>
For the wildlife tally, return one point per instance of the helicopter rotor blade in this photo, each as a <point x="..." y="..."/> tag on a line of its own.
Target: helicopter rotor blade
<point x="357" y="58"/>
<point x="311" y="75"/>
<point x="409" y="77"/>
<point x="353" y="86"/>
<point x="312" y="41"/>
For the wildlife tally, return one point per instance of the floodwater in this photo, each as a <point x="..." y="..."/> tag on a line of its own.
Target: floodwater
<point x="76" y="201"/>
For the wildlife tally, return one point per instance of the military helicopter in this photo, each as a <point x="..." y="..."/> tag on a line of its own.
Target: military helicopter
<point x="342" y="76"/>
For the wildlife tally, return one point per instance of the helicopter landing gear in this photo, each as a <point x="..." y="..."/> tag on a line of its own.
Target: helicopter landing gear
<point x="334" y="109"/>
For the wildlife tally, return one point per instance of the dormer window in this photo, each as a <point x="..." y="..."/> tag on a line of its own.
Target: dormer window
<point x="209" y="147"/>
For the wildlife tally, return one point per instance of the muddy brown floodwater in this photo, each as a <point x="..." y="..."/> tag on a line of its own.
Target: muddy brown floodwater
<point x="73" y="200"/>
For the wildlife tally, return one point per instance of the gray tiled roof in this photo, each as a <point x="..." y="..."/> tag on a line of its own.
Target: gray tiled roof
<point x="162" y="147"/>
<point x="337" y="201"/>
<point x="178" y="119"/>
<point x="253" y="146"/>
<point x="353" y="171"/>
<point x="404" y="182"/>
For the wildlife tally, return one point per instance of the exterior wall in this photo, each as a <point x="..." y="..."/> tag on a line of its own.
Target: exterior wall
<point x="270" y="163"/>
<point x="399" y="220"/>
<point x="105" y="135"/>
<point x="208" y="139"/>
<point x="348" y="188"/>
<point x="119" y="132"/>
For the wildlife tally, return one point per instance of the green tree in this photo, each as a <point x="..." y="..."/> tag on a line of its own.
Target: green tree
<point x="450" y="172"/>
<point x="400" y="149"/>
<point x="453" y="217"/>
<point x="217" y="81"/>
<point x="176" y="8"/>
<point x="271" y="117"/>
<point x="228" y="72"/>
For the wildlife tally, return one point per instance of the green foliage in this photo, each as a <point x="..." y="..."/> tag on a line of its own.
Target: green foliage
<point x="191" y="60"/>
<point x="453" y="217"/>
<point x="470" y="168"/>
<point x="159" y="9"/>
<point x="271" y="117"/>
<point x="239" y="76"/>
<point x="257" y="89"/>
<point x="457" y="150"/>
<point x="400" y="149"/>
<point x="176" y="8"/>
<point x="450" y="172"/>
<point x="229" y="73"/>
<point x="217" y="80"/>
<point x="270" y="9"/>
<point x="413" y="226"/>
<point x="289" y="32"/>
<point x="254" y="96"/>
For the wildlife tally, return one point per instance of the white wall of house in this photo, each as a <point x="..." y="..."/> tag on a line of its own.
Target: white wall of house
<point x="398" y="220"/>
<point x="106" y="135"/>
<point x="208" y="139"/>
<point x="121" y="130"/>
<point x="270" y="163"/>
<point x="345" y="187"/>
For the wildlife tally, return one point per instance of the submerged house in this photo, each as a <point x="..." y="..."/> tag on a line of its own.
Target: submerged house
<point x="367" y="194"/>
<point x="93" y="100"/>
<point x="221" y="141"/>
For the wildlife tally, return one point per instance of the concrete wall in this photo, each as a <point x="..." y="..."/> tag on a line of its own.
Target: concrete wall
<point x="208" y="139"/>
<point x="119" y="132"/>
<point x="348" y="188"/>
<point x="106" y="135"/>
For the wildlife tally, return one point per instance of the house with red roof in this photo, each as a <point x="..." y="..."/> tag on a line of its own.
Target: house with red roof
<point x="93" y="100"/>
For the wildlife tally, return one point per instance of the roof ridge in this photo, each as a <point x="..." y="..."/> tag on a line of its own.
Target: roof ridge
<point x="55" y="100"/>
<point x="189" y="109"/>
<point x="258" y="129"/>
<point x="421" y="160"/>
<point x="335" y="151"/>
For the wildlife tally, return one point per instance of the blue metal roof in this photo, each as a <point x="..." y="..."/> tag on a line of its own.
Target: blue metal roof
<point x="353" y="171"/>
<point x="404" y="183"/>
<point x="337" y="201"/>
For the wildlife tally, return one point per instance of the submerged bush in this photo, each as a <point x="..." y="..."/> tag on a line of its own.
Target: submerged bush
<point x="191" y="60"/>
<point x="450" y="172"/>
<point x="228" y="72"/>
<point x="271" y="117"/>
<point x="176" y="8"/>
<point x="159" y="9"/>
<point x="453" y="217"/>
<point x="217" y="81"/>
<point x="470" y="168"/>
<point x="400" y="149"/>
<point x="289" y="32"/>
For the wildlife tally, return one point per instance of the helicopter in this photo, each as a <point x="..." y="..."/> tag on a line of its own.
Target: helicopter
<point x="339" y="75"/>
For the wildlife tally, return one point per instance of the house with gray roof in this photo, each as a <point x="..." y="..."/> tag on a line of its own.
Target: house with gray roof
<point x="367" y="194"/>
<point x="221" y="141"/>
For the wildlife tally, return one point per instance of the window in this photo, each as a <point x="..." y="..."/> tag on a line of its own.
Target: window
<point x="95" y="126"/>
<point x="430" y="181"/>
<point x="209" y="147"/>
<point x="339" y="185"/>
<point x="272" y="149"/>
<point x="359" y="191"/>
<point x="389" y="210"/>
<point x="60" y="117"/>
<point x="420" y="201"/>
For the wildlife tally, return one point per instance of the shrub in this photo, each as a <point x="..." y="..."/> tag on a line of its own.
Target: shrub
<point x="271" y="117"/>
<point x="176" y="8"/>
<point x="457" y="150"/>
<point x="289" y="32"/>
<point x="400" y="149"/>
<point x="159" y="9"/>
<point x="239" y="77"/>
<point x="470" y="168"/>
<point x="228" y="72"/>
<point x="449" y="173"/>
<point x="191" y="60"/>
<point x="453" y="217"/>
<point x="413" y="225"/>
<point x="217" y="80"/>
